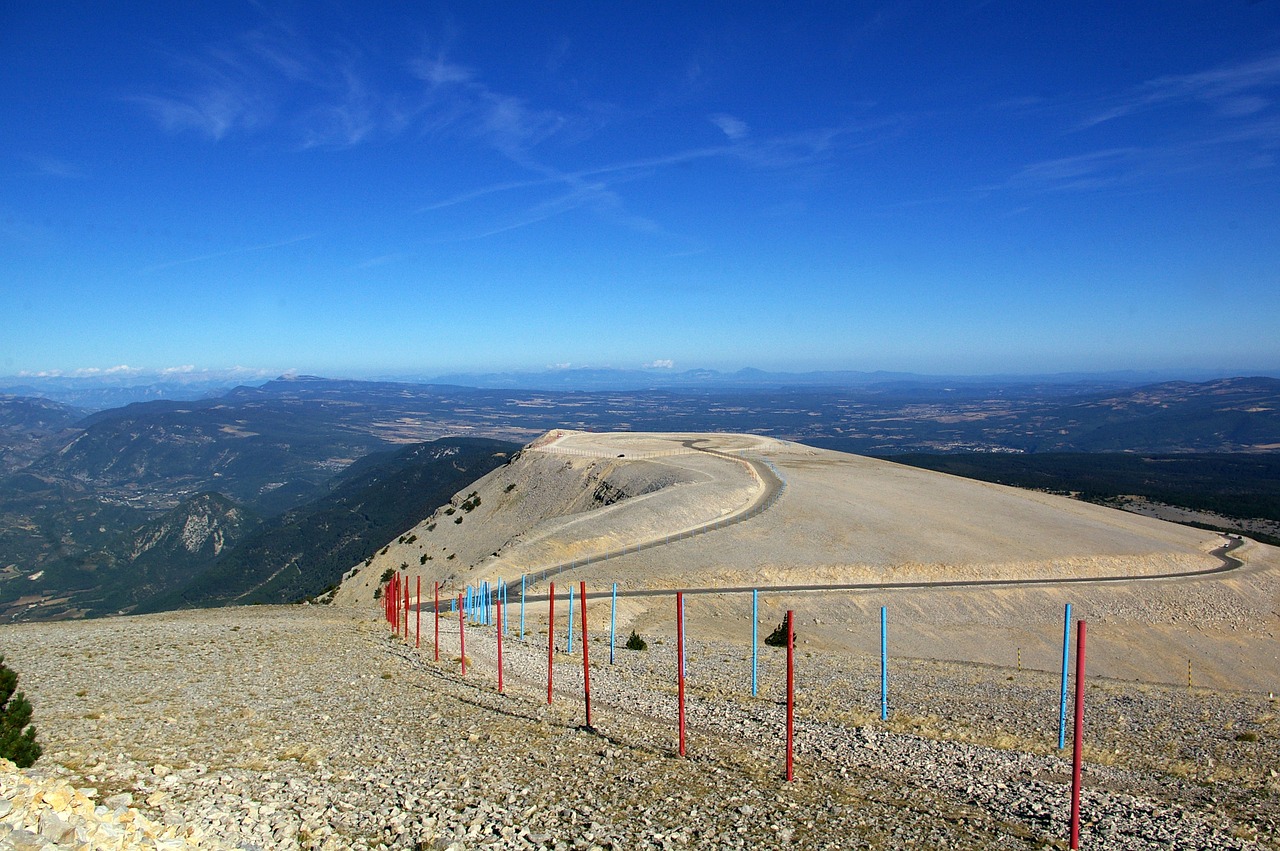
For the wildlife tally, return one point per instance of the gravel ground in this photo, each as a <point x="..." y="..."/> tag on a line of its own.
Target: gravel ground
<point x="310" y="727"/>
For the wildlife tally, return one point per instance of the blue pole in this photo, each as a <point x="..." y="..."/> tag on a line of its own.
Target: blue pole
<point x="522" y="607"/>
<point x="884" y="665"/>
<point x="568" y="647"/>
<point x="1066" y="654"/>
<point x="613" y="619"/>
<point x="755" y="646"/>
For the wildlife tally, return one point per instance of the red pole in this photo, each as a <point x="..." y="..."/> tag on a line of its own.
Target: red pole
<point x="680" y="664"/>
<point x="791" y="690"/>
<point x="395" y="603"/>
<point x="391" y="590"/>
<point x="499" y="645"/>
<point x="417" y="626"/>
<point x="406" y="609"/>
<point x="586" y="669"/>
<point x="1078" y="735"/>
<point x="462" y="635"/>
<point x="551" y="638"/>
<point x="437" y="619"/>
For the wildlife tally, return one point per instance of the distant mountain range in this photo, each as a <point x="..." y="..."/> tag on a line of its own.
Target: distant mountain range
<point x="270" y="492"/>
<point x="750" y="378"/>
<point x="116" y="388"/>
<point x="29" y="426"/>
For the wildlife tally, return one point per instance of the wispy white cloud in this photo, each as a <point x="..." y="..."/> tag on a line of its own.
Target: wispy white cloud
<point x="1234" y="90"/>
<point x="1093" y="170"/>
<point x="84" y="372"/>
<point x="226" y="88"/>
<point x="46" y="166"/>
<point x="382" y="260"/>
<point x="119" y="371"/>
<point x="228" y="253"/>
<point x="270" y="78"/>
<point x="1240" y="149"/>
<point x="1220" y="120"/>
<point x="734" y="128"/>
<point x="456" y="100"/>
<point x="660" y="363"/>
<point x="552" y="177"/>
<point x="596" y="186"/>
<point x="462" y="103"/>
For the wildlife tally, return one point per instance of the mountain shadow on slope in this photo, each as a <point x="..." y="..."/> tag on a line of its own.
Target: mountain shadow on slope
<point x="269" y="456"/>
<point x="30" y="427"/>
<point x="299" y="554"/>
<point x="167" y="552"/>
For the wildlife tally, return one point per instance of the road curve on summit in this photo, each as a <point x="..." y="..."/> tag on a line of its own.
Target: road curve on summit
<point x="774" y="487"/>
<point x="764" y="471"/>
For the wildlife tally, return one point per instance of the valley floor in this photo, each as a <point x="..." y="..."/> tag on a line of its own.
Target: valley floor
<point x="313" y="727"/>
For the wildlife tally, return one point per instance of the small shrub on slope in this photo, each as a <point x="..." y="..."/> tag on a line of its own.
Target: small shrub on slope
<point x="778" y="638"/>
<point x="17" y="738"/>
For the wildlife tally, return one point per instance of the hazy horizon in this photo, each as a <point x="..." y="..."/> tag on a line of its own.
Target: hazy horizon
<point x="124" y="376"/>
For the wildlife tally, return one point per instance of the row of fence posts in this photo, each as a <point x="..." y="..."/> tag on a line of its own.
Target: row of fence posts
<point x="475" y="604"/>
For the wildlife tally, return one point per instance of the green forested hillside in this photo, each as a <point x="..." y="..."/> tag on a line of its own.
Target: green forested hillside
<point x="301" y="552"/>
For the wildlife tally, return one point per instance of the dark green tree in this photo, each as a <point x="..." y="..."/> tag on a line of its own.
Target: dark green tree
<point x="17" y="738"/>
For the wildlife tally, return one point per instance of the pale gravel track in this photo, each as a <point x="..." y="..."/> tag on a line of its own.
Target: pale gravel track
<point x="1228" y="564"/>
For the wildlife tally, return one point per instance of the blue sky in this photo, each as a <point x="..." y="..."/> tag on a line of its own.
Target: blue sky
<point x="972" y="187"/>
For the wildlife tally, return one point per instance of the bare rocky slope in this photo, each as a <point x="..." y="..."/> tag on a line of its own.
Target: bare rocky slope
<point x="311" y="727"/>
<point x="572" y="498"/>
